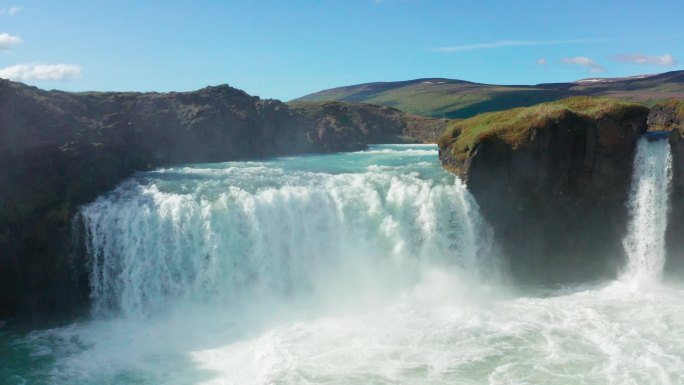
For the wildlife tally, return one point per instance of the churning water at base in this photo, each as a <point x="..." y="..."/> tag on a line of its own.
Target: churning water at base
<point x="363" y="268"/>
<point x="648" y="206"/>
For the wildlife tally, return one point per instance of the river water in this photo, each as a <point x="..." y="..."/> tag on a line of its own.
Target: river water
<point x="372" y="267"/>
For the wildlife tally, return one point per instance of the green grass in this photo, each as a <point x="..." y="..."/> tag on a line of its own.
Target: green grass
<point x="444" y="98"/>
<point x="514" y="126"/>
<point x="437" y="100"/>
<point x="429" y="100"/>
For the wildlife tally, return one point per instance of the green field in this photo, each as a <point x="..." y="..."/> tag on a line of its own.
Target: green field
<point x="446" y="98"/>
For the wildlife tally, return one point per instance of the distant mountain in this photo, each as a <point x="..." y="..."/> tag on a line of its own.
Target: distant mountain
<point x="448" y="98"/>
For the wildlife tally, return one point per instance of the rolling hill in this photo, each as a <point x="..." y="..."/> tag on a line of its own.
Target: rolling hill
<point x="448" y="98"/>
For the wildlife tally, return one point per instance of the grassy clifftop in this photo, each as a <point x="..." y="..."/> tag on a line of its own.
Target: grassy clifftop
<point x="552" y="181"/>
<point x="516" y="125"/>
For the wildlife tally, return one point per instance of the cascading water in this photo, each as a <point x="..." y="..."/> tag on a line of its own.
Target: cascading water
<point x="232" y="231"/>
<point x="648" y="207"/>
<point x="341" y="269"/>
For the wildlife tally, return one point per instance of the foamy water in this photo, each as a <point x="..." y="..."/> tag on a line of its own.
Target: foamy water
<point x="364" y="268"/>
<point x="649" y="206"/>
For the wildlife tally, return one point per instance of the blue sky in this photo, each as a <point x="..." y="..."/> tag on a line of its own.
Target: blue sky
<point x="286" y="49"/>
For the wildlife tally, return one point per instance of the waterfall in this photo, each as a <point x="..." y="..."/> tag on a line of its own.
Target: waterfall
<point x="261" y="273"/>
<point x="270" y="230"/>
<point x="648" y="209"/>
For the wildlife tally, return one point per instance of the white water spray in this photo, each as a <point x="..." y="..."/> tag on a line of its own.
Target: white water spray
<point x="648" y="208"/>
<point x="242" y="270"/>
<point x="252" y="232"/>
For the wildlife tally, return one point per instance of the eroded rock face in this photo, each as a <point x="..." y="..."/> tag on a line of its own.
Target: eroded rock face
<point x="59" y="150"/>
<point x="557" y="200"/>
<point x="670" y="116"/>
<point x="666" y="116"/>
<point x="368" y="123"/>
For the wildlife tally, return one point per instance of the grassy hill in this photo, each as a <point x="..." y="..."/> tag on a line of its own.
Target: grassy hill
<point x="447" y="98"/>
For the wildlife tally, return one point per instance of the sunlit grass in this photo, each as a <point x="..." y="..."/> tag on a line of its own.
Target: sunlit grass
<point x="514" y="126"/>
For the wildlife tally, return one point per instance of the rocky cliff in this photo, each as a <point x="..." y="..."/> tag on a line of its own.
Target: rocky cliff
<point x="368" y="122"/>
<point x="669" y="116"/>
<point x="59" y="150"/>
<point x="553" y="181"/>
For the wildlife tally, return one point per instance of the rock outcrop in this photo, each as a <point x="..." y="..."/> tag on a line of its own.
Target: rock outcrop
<point x="59" y="150"/>
<point x="369" y="123"/>
<point x="553" y="181"/>
<point x="669" y="116"/>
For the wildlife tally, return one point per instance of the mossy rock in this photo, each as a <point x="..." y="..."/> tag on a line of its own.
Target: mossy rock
<point x="667" y="116"/>
<point x="516" y="126"/>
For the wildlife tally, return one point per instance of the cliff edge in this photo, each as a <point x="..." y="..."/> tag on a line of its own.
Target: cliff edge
<point x="59" y="150"/>
<point x="553" y="181"/>
<point x="669" y="116"/>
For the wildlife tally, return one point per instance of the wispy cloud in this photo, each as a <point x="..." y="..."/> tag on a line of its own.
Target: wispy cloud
<point x="8" y="41"/>
<point x="13" y="10"/>
<point x="41" y="71"/>
<point x="665" y="60"/>
<point x="584" y="61"/>
<point x="378" y="2"/>
<point x="514" y="43"/>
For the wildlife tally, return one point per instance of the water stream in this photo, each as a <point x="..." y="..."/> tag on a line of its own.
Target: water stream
<point x="362" y="268"/>
<point x="648" y="205"/>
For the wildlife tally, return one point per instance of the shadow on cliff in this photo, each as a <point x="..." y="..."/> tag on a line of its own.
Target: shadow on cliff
<point x="553" y="181"/>
<point x="60" y="150"/>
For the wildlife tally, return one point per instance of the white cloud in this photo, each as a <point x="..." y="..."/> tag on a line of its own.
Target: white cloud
<point x="585" y="62"/>
<point x="665" y="60"/>
<point x="13" y="10"/>
<point x="542" y="61"/>
<point x="8" y="41"/>
<point x="495" y="44"/>
<point x="514" y="43"/>
<point x="40" y="71"/>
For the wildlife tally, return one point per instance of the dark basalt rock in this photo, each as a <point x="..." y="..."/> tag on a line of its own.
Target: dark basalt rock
<point x="553" y="183"/>
<point x="60" y="150"/>
<point x="669" y="116"/>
